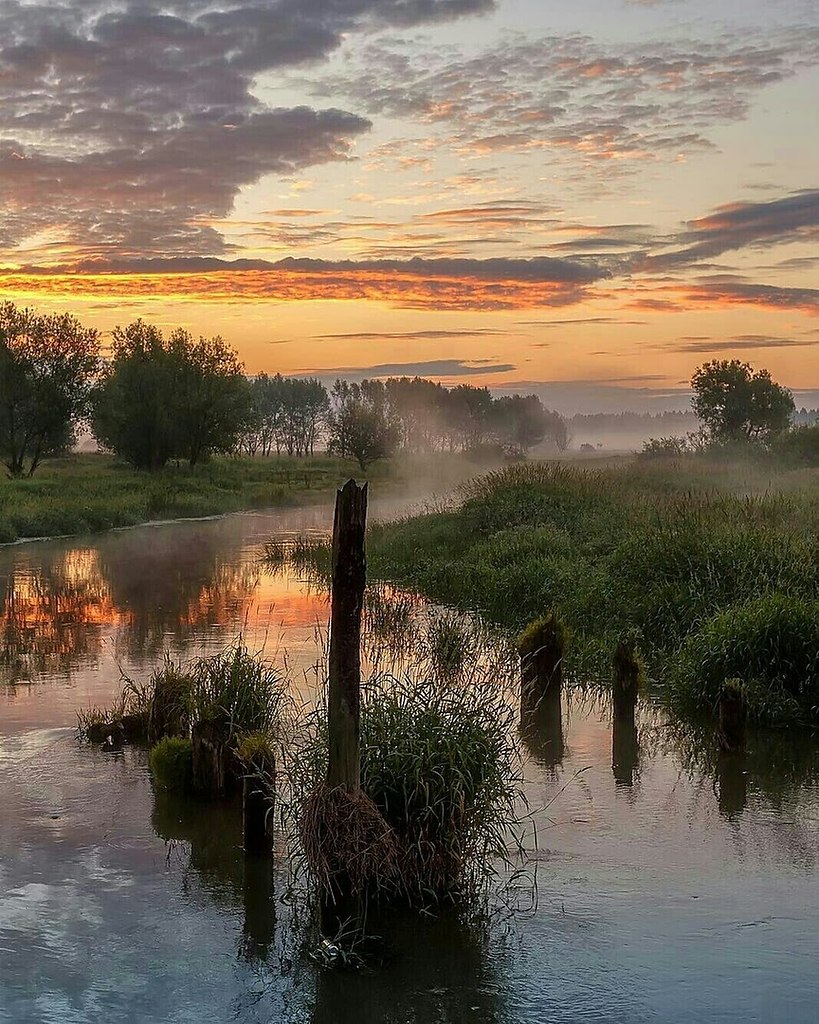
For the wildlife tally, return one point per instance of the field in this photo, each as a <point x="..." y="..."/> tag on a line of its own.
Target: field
<point x="94" y="492"/>
<point x="710" y="567"/>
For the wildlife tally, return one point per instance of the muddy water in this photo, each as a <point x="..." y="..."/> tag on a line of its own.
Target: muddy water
<point x="672" y="886"/>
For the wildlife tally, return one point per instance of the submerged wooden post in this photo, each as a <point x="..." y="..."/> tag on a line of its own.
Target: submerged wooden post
<point x="627" y="679"/>
<point x="340" y="905"/>
<point x="349" y="581"/>
<point x="541" y="647"/>
<point x="732" y="717"/>
<point x="256" y="806"/>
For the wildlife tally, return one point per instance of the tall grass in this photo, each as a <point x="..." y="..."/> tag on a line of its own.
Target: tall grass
<point x="651" y="549"/>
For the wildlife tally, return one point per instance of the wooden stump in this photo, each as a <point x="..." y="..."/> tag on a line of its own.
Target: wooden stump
<point x="541" y="647"/>
<point x="209" y="760"/>
<point x="340" y="905"/>
<point x="732" y="718"/>
<point x="257" y="806"/>
<point x="541" y="728"/>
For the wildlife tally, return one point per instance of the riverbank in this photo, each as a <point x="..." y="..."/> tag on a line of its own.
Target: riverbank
<point x="90" y="493"/>
<point x="711" y="567"/>
<point x="93" y="492"/>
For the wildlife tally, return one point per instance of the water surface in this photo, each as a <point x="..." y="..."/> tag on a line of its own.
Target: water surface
<point x="672" y="885"/>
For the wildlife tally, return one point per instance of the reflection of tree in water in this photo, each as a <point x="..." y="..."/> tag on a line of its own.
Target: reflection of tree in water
<point x="150" y="589"/>
<point x="53" y="614"/>
<point x="173" y="585"/>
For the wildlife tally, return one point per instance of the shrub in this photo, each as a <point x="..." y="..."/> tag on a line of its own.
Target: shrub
<point x="771" y="643"/>
<point x="171" y="763"/>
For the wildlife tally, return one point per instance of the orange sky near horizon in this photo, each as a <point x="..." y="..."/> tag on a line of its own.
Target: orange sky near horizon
<point x="586" y="203"/>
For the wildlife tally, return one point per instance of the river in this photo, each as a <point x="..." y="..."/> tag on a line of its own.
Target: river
<point x="670" y="887"/>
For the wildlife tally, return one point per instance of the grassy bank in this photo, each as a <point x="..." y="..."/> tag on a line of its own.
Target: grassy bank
<point x="90" y="493"/>
<point x="713" y="567"/>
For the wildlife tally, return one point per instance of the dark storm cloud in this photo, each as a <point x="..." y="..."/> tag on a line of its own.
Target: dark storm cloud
<point x="128" y="128"/>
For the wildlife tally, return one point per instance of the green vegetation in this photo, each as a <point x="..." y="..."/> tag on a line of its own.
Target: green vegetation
<point x="170" y="398"/>
<point x="697" y="560"/>
<point x="90" y="493"/>
<point x="440" y="780"/>
<point x="171" y="763"/>
<point x="47" y="369"/>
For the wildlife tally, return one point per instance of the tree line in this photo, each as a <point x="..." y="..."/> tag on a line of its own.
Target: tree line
<point x="155" y="398"/>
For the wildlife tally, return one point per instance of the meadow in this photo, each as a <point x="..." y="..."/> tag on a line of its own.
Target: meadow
<point x="709" y="566"/>
<point x="89" y="493"/>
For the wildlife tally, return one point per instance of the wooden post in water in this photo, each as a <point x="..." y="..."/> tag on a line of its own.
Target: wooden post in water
<point x="257" y="803"/>
<point x="627" y="678"/>
<point x="349" y="577"/>
<point x="541" y="647"/>
<point x="349" y="581"/>
<point x="732" y="717"/>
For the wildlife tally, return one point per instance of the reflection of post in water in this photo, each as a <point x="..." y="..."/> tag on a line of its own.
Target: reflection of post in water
<point x="258" y="898"/>
<point x="627" y="679"/>
<point x="439" y="969"/>
<point x="542" y="647"/>
<point x="732" y="785"/>
<point x="541" y="729"/>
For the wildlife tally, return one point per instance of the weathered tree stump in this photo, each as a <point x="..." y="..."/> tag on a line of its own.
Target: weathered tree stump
<point x="541" y="647"/>
<point x="732" y="717"/>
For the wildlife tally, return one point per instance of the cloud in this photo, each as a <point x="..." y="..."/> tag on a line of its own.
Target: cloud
<point x="127" y="129"/>
<point x="428" y="368"/>
<point x="738" y="293"/>
<point x="442" y="284"/>
<point x="410" y="335"/>
<point x="739" y="343"/>
<point x="613" y="103"/>
<point x="792" y="218"/>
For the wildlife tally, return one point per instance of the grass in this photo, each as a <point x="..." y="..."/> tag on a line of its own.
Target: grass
<point x="94" y="492"/>
<point x="440" y="776"/>
<point x="657" y="550"/>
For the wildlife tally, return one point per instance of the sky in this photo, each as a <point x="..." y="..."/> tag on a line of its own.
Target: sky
<point x="585" y="200"/>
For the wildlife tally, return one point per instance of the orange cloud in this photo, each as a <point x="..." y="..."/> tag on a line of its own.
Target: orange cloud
<point x="407" y="288"/>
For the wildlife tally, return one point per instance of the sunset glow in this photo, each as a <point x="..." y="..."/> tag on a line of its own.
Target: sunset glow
<point x="581" y="200"/>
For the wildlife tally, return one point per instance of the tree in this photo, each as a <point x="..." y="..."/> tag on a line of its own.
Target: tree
<point x="735" y="403"/>
<point x="47" y="369"/>
<point x="161" y="398"/>
<point x="359" y="424"/>
<point x="521" y="422"/>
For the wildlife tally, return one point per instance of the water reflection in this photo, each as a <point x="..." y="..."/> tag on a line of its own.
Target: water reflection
<point x="625" y="747"/>
<point x="541" y="730"/>
<point x="441" y="969"/>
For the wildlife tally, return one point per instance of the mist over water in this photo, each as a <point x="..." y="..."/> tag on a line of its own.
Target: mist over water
<point x="672" y="884"/>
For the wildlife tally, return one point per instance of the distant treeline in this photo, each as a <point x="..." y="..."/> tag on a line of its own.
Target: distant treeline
<point x="157" y="398"/>
<point x="655" y="422"/>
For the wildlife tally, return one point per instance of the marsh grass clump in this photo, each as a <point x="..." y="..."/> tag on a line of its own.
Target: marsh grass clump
<point x="168" y="699"/>
<point x="236" y="693"/>
<point x="440" y="787"/>
<point x="771" y="643"/>
<point x="171" y="764"/>
<point x="440" y="764"/>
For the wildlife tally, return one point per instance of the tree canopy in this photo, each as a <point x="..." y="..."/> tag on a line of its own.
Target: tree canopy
<point x="736" y="403"/>
<point x="177" y="397"/>
<point x="47" y="369"/>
